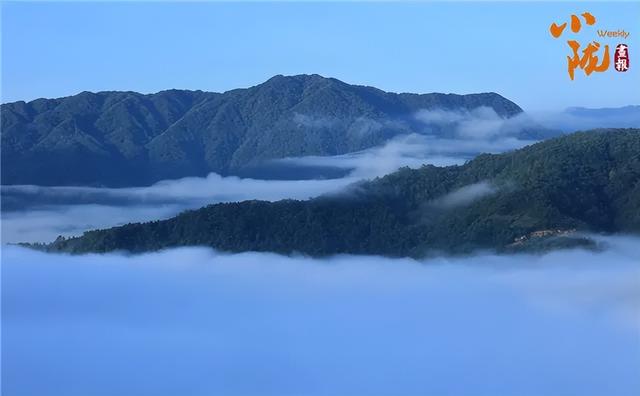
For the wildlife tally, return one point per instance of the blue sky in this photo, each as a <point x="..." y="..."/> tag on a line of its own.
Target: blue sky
<point x="59" y="49"/>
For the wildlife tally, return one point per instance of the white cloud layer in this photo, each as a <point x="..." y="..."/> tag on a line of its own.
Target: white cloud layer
<point x="193" y="321"/>
<point x="480" y="123"/>
<point x="413" y="150"/>
<point x="53" y="211"/>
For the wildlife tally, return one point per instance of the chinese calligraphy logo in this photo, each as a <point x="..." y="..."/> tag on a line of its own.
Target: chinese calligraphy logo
<point x="593" y="57"/>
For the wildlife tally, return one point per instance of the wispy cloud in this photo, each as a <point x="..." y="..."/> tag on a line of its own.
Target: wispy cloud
<point x="481" y="123"/>
<point x="412" y="151"/>
<point x="464" y="195"/>
<point x="40" y="214"/>
<point x="314" y="122"/>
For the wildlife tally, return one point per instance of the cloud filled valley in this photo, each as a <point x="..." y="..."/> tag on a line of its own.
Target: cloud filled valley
<point x="195" y="321"/>
<point x="198" y="321"/>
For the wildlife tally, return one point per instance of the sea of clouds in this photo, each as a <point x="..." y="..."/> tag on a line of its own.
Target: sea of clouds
<point x="194" y="321"/>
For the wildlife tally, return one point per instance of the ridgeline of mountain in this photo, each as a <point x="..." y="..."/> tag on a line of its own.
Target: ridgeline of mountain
<point x="541" y="196"/>
<point x="130" y="139"/>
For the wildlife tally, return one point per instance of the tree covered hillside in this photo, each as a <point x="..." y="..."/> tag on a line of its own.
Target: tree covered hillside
<point x="131" y="139"/>
<point x="587" y="181"/>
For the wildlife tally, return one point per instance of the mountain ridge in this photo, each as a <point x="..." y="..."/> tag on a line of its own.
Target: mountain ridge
<point x="124" y="138"/>
<point x="277" y="76"/>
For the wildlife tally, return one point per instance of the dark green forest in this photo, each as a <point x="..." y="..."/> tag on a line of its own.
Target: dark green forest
<point x="121" y="139"/>
<point x="550" y="191"/>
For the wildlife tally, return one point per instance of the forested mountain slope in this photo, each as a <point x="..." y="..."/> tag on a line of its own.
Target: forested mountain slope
<point x="131" y="139"/>
<point x="587" y="181"/>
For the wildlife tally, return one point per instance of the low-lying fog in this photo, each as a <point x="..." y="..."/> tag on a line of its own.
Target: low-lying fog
<point x="193" y="321"/>
<point x="40" y="214"/>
